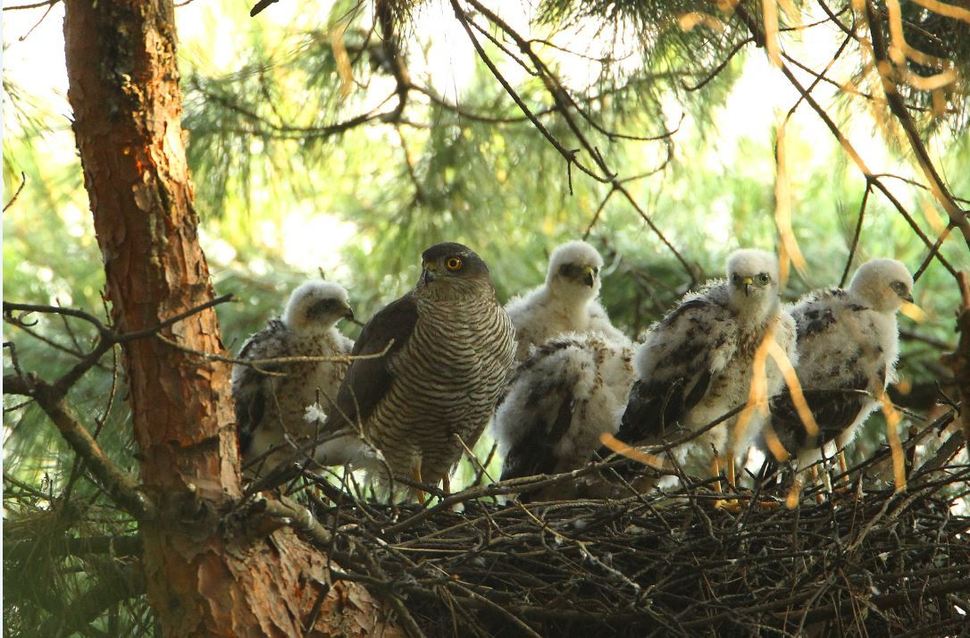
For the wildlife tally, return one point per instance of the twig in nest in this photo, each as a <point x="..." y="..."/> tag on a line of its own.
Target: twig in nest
<point x="572" y="568"/>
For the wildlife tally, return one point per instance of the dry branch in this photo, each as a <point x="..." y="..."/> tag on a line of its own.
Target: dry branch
<point x="662" y="564"/>
<point x="118" y="484"/>
<point x="23" y="182"/>
<point x="757" y="30"/>
<point x="50" y="396"/>
<point x="958" y="217"/>
<point x="566" y="105"/>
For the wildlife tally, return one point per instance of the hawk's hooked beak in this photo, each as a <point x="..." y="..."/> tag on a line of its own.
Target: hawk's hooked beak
<point x="747" y="282"/>
<point x="908" y="297"/>
<point x="589" y="275"/>
<point x="428" y="272"/>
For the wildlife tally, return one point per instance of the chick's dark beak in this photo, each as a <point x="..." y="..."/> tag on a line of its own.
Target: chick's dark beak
<point x="907" y="296"/>
<point x="589" y="277"/>
<point x="349" y="316"/>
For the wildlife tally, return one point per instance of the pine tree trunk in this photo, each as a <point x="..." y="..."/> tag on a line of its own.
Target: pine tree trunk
<point x="202" y="578"/>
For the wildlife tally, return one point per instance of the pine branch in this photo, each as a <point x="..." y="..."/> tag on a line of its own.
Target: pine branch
<point x="50" y="397"/>
<point x="121" y="487"/>
<point x="958" y="217"/>
<point x="565" y="105"/>
<point x="115" y="546"/>
<point x="757" y="31"/>
<point x="122" y="583"/>
<point x="23" y="182"/>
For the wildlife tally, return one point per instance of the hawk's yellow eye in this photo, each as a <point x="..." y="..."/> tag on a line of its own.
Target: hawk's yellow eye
<point x="453" y="264"/>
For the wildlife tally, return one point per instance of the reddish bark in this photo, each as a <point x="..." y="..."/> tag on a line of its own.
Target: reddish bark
<point x="201" y="580"/>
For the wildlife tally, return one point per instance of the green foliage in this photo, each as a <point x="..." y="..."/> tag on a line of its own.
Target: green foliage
<point x="286" y="156"/>
<point x="263" y="148"/>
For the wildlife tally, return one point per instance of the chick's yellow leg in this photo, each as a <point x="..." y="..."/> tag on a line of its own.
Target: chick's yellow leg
<point x="845" y="484"/>
<point x="716" y="472"/>
<point x="791" y="501"/>
<point x="732" y="504"/>
<point x="817" y="480"/>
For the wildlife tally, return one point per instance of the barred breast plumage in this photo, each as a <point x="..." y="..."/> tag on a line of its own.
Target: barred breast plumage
<point x="446" y="349"/>
<point x="449" y="377"/>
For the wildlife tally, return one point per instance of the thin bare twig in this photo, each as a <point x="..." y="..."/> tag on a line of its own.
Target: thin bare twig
<point x="50" y="397"/>
<point x="33" y="5"/>
<point x="596" y="215"/>
<point x="757" y="31"/>
<point x="260" y="6"/>
<point x="119" y="485"/>
<point x="259" y="364"/>
<point x="958" y="217"/>
<point x="23" y="182"/>
<point x="565" y="104"/>
<point x="720" y="67"/>
<point x="568" y="154"/>
<point x="855" y="236"/>
<point x="933" y="252"/>
<point x="279" y="130"/>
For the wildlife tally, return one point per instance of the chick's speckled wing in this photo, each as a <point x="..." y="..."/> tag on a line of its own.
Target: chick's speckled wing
<point x="675" y="365"/>
<point x="537" y="412"/>
<point x="251" y="389"/>
<point x="832" y="332"/>
<point x="534" y="453"/>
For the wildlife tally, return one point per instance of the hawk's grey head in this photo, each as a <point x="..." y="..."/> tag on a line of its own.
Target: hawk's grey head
<point x="753" y="281"/>
<point x="316" y="306"/>
<point x="453" y="266"/>
<point x="885" y="284"/>
<point x="574" y="270"/>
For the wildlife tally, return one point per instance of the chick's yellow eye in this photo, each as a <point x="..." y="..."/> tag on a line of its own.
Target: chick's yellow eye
<point x="453" y="263"/>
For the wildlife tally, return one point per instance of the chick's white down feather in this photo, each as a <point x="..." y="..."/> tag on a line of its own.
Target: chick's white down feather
<point x="270" y="409"/>
<point x="566" y="302"/>
<point x="696" y="364"/>
<point x="561" y="399"/>
<point x="847" y="341"/>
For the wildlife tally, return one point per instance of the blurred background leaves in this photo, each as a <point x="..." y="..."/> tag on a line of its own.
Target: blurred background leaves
<point x="308" y="163"/>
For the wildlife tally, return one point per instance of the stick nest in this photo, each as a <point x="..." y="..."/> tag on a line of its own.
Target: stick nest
<point x="873" y="562"/>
